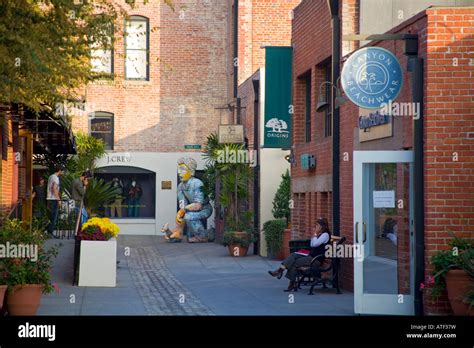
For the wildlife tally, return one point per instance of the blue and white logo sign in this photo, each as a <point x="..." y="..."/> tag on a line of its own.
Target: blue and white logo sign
<point x="371" y="77"/>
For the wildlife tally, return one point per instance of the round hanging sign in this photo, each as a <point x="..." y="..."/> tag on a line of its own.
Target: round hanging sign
<point x="372" y="77"/>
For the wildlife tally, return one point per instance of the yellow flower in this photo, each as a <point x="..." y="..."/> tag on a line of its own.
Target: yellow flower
<point x="104" y="225"/>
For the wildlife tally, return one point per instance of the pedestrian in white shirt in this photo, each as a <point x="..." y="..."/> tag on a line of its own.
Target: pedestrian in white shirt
<point x="53" y="197"/>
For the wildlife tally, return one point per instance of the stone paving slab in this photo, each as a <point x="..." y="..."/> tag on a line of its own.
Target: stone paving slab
<point x="241" y="286"/>
<point x="159" y="278"/>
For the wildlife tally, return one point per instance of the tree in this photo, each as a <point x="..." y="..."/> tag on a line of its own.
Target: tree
<point x="281" y="201"/>
<point x="277" y="125"/>
<point x="368" y="78"/>
<point x="45" y="47"/>
<point x="234" y="178"/>
<point x="89" y="149"/>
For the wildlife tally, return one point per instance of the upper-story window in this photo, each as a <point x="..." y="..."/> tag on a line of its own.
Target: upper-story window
<point x="136" y="48"/>
<point x="101" y="126"/>
<point x="102" y="56"/>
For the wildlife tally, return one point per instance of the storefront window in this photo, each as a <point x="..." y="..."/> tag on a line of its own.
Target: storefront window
<point x="137" y="187"/>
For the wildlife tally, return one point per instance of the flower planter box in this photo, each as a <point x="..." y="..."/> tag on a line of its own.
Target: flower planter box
<point x="98" y="263"/>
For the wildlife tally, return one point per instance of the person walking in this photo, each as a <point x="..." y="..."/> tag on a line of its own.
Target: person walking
<point x="53" y="197"/>
<point x="39" y="197"/>
<point x="79" y="190"/>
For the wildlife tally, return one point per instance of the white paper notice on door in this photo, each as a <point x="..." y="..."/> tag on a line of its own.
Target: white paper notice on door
<point x="384" y="199"/>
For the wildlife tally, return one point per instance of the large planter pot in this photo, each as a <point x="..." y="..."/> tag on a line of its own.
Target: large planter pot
<point x="98" y="263"/>
<point x="279" y="255"/>
<point x="237" y="250"/>
<point x="458" y="284"/>
<point x="3" y="290"/>
<point x="24" y="299"/>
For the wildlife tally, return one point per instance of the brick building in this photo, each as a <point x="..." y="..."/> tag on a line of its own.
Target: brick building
<point x="261" y="24"/>
<point x="171" y="71"/>
<point x="445" y="38"/>
<point x="23" y="134"/>
<point x="9" y="170"/>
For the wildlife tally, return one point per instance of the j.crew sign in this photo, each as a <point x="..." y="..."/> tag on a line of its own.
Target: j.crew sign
<point x="119" y="159"/>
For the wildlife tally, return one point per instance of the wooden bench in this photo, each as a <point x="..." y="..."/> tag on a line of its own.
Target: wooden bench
<point x="327" y="272"/>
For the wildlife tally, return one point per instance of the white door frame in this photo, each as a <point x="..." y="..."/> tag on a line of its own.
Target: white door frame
<point x="379" y="303"/>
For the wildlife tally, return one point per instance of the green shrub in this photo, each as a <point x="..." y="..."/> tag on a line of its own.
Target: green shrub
<point x="273" y="230"/>
<point x="281" y="201"/>
<point x="22" y="270"/>
<point x="461" y="256"/>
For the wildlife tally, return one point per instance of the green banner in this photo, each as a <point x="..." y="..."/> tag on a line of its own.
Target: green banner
<point x="278" y="83"/>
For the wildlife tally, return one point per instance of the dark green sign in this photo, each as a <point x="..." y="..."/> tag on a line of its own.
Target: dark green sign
<point x="278" y="82"/>
<point x="192" y="146"/>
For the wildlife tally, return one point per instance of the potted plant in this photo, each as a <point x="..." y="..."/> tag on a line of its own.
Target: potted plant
<point x="454" y="271"/>
<point x="99" y="193"/>
<point x="226" y="169"/>
<point x="98" y="253"/>
<point x="3" y="285"/>
<point x="273" y="231"/>
<point x="27" y="273"/>
<point x="239" y="235"/>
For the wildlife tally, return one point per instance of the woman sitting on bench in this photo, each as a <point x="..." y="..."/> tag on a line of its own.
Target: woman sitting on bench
<point x="302" y="258"/>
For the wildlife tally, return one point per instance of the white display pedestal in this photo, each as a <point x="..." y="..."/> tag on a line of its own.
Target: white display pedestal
<point x="98" y="263"/>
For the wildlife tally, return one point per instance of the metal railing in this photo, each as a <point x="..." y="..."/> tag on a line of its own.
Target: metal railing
<point x="66" y="222"/>
<point x="16" y="212"/>
<point x="77" y="246"/>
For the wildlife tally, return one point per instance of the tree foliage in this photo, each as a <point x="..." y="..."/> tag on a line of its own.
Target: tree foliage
<point x="45" y="47"/>
<point x="89" y="149"/>
<point x="281" y="201"/>
<point x="234" y="178"/>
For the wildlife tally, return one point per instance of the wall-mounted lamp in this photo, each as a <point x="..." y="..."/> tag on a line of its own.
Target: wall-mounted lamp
<point x="323" y="103"/>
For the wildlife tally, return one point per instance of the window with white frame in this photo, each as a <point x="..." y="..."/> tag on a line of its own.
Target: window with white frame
<point x="102" y="56"/>
<point x="136" y="48"/>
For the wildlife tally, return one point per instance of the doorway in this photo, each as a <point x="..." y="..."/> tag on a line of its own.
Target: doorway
<point x="383" y="229"/>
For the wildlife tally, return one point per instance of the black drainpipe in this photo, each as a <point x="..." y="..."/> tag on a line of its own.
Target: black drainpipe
<point x="335" y="73"/>
<point x="416" y="67"/>
<point x="256" y="169"/>
<point x="235" y="61"/>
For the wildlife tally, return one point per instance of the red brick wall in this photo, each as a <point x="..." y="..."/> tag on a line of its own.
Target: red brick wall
<point x="311" y="39"/>
<point x="401" y="140"/>
<point x="444" y="34"/>
<point x="189" y="69"/>
<point x="262" y="23"/>
<point x="350" y="24"/>
<point x="7" y="194"/>
<point x="247" y="95"/>
<point x="449" y="129"/>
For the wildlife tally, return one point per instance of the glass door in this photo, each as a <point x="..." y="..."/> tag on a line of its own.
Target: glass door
<point x="383" y="230"/>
